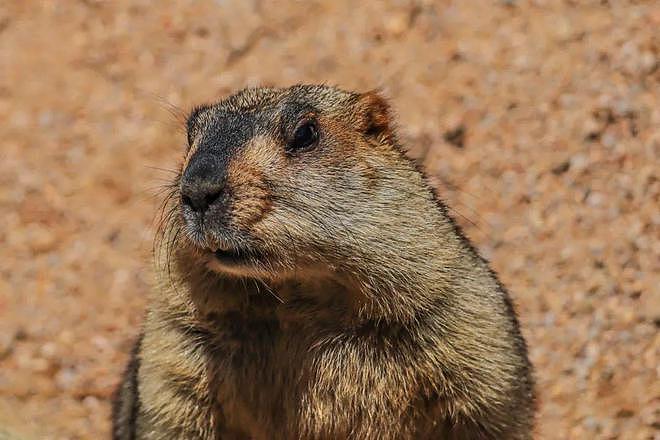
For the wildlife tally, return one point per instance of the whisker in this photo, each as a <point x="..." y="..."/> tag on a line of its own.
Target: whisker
<point x="267" y="289"/>
<point x="165" y="170"/>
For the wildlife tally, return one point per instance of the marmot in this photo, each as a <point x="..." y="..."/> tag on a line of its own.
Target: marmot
<point x="312" y="286"/>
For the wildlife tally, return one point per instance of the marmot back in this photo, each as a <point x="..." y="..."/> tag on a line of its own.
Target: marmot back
<point x="311" y="286"/>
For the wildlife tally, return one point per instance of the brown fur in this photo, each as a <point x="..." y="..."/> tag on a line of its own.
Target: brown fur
<point x="365" y="313"/>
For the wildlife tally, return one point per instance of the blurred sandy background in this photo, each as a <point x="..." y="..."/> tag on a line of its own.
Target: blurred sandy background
<point x="538" y="120"/>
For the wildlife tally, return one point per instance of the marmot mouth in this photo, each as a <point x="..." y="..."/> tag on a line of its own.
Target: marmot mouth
<point x="235" y="257"/>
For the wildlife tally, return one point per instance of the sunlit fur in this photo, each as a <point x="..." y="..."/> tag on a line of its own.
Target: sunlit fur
<point x="365" y="313"/>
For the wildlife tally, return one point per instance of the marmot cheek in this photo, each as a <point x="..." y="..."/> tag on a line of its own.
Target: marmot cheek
<point x="251" y="200"/>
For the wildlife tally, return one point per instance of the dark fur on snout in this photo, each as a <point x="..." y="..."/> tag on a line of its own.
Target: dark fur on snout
<point x="311" y="286"/>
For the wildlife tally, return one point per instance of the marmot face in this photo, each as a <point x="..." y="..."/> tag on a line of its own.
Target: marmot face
<point x="280" y="181"/>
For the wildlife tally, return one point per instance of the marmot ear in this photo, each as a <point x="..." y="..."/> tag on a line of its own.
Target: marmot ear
<point x="373" y="116"/>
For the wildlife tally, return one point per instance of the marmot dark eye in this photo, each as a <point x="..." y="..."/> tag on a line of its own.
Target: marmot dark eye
<point x="304" y="137"/>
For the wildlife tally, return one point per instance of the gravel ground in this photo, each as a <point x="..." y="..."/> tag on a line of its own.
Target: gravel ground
<point x="539" y="121"/>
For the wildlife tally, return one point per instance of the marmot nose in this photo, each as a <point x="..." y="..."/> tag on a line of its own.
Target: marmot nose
<point x="200" y="200"/>
<point x="201" y="185"/>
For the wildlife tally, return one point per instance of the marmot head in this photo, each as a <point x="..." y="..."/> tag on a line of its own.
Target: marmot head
<point x="299" y="180"/>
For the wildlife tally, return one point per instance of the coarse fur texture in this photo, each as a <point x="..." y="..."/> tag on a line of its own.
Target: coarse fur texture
<point x="311" y="286"/>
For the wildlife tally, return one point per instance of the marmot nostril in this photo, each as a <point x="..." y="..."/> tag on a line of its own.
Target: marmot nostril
<point x="211" y="197"/>
<point x="199" y="197"/>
